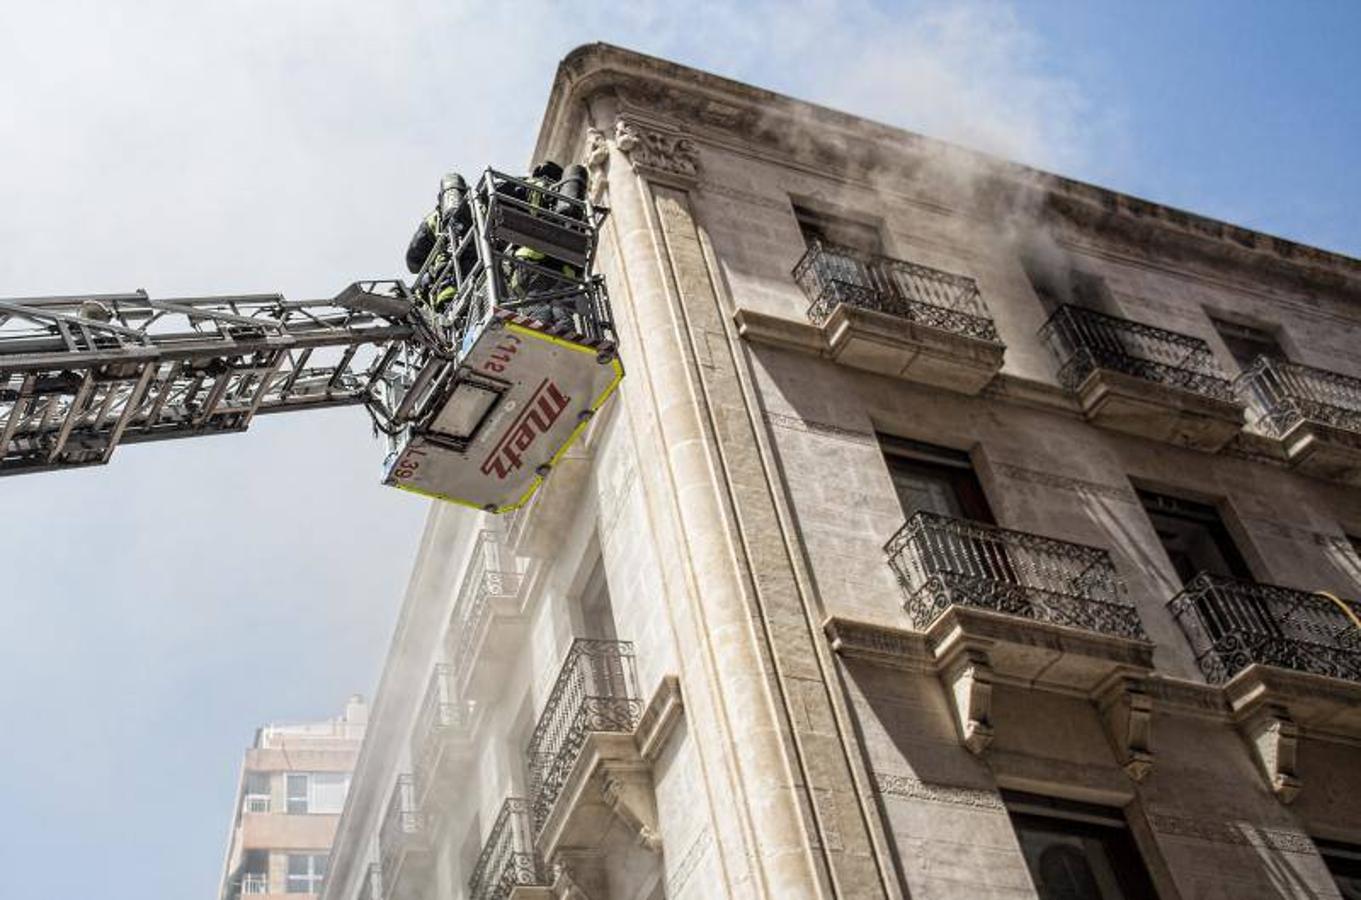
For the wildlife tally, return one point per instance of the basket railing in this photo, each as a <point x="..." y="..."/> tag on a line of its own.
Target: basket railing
<point x="1085" y="340"/>
<point x="440" y="714"/>
<point x="1232" y="624"/>
<point x="942" y="561"/>
<point x="508" y="859"/>
<point x="1282" y="394"/>
<point x="596" y="690"/>
<point x="831" y="275"/>
<point x="491" y="576"/>
<point x="403" y="826"/>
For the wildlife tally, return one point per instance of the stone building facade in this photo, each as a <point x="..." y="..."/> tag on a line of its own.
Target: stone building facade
<point x="956" y="532"/>
<point x="289" y="797"/>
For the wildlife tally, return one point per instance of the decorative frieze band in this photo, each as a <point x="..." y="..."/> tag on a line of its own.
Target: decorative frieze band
<point x="1067" y="483"/>
<point x="1241" y="833"/>
<point x="688" y="862"/>
<point x="810" y="426"/>
<point x="910" y="788"/>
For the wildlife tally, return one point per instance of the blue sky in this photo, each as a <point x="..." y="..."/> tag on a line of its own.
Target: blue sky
<point x="154" y="612"/>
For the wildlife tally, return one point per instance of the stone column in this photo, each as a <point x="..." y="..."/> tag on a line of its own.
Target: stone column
<point x="795" y="799"/>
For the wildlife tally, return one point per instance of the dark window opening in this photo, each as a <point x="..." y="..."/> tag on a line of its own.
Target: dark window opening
<point x="1078" y="851"/>
<point x="1194" y="536"/>
<point x="935" y="479"/>
<point x="1246" y="343"/>
<point x="829" y="229"/>
<point x="1344" y="864"/>
<point x="1058" y="285"/>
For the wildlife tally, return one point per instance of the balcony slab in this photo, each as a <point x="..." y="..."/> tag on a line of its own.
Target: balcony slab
<point x="884" y="344"/>
<point x="1324" y="451"/>
<point x="1146" y="408"/>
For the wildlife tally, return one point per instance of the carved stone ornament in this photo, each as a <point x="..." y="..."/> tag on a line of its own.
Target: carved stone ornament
<point x="656" y="152"/>
<point x="578" y="875"/>
<point x="1274" y="738"/>
<point x="1127" y="712"/>
<point x="628" y="792"/>
<point x="597" y="164"/>
<point x="969" y="681"/>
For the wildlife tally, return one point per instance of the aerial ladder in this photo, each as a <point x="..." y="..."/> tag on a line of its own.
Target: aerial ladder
<point x="477" y="398"/>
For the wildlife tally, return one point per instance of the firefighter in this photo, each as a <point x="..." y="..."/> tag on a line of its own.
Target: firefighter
<point x="530" y="270"/>
<point x="452" y="218"/>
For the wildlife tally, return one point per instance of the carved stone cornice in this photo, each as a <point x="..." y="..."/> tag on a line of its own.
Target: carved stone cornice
<point x="722" y="111"/>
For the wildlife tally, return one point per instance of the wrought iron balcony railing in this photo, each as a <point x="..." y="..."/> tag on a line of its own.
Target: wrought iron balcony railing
<point x="440" y="716"/>
<point x="1283" y="394"/>
<point x="403" y="829"/>
<point x="831" y="274"/>
<point x="372" y="886"/>
<point x="596" y="690"/>
<point x="508" y="859"/>
<point x="1084" y="340"/>
<point x="487" y="580"/>
<point x="941" y="561"/>
<point x="1232" y="624"/>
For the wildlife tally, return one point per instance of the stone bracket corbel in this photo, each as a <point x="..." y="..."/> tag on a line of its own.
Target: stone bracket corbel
<point x="1127" y="713"/>
<point x="627" y="789"/>
<point x="968" y="679"/>
<point x="1274" y="738"/>
<point x="578" y="874"/>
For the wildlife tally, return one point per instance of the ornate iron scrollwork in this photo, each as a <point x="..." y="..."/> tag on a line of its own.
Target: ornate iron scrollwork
<point x="831" y="275"/>
<point x="941" y="561"/>
<point x="1233" y="624"/>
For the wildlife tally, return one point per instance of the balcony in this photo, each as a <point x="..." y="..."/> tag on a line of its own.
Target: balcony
<point x="596" y="691"/>
<point x="508" y="859"/>
<point x="255" y="803"/>
<point x="898" y="318"/>
<point x="1314" y="413"/>
<point x="990" y="601"/>
<point x="1143" y="380"/>
<point x="1234" y="624"/>
<point x="403" y="845"/>
<point x="1287" y="659"/>
<point x="372" y="886"/>
<point x="487" y="622"/>
<point x="254" y="883"/>
<point x="441" y="741"/>
<point x="941" y="561"/>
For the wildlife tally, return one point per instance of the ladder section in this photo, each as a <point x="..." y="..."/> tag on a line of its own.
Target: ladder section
<point x="81" y="375"/>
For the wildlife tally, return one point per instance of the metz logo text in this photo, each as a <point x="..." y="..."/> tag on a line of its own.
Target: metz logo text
<point x="543" y="409"/>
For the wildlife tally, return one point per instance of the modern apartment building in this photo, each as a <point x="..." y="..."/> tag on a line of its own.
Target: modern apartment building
<point x="956" y="533"/>
<point x="292" y="789"/>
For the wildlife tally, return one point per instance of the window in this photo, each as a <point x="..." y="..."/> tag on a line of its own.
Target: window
<point x="1194" y="537"/>
<point x="828" y="229"/>
<point x="316" y="793"/>
<point x="1246" y="343"/>
<point x="1344" y="864"/>
<point x="1077" y="851"/>
<point x="1057" y="284"/>
<point x="934" y="479"/>
<point x="597" y="614"/>
<point x="306" y="871"/>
